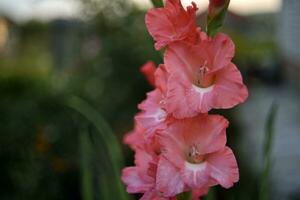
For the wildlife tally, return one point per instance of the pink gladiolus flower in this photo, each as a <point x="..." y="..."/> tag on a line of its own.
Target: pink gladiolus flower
<point x="172" y="23"/>
<point x="142" y="177"/>
<point x="202" y="77"/>
<point x="137" y="139"/>
<point x="178" y="146"/>
<point x="168" y="178"/>
<point x="196" y="148"/>
<point x="148" y="70"/>
<point x="153" y="117"/>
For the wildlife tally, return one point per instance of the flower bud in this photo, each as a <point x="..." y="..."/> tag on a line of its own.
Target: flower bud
<point x="216" y="13"/>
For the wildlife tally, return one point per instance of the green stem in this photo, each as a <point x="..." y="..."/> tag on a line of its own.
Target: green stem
<point x="157" y="3"/>
<point x="184" y="196"/>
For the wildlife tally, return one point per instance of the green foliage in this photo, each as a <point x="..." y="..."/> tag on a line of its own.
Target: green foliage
<point x="104" y="138"/>
<point x="41" y="153"/>
<point x="86" y="173"/>
<point x="268" y="143"/>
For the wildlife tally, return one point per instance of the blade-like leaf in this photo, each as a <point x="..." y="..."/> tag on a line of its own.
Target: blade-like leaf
<point x="268" y="144"/>
<point x="86" y="172"/>
<point x="106" y="140"/>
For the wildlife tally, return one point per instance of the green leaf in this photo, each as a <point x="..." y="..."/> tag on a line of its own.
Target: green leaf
<point x="103" y="141"/>
<point x="215" y="17"/>
<point x="267" y="153"/>
<point x="86" y="172"/>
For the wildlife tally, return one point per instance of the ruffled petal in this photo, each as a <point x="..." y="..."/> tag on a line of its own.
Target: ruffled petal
<point x="176" y="101"/>
<point x="205" y="132"/>
<point x="184" y="99"/>
<point x="135" y="138"/>
<point x="134" y="182"/>
<point x="172" y="146"/>
<point x="183" y="59"/>
<point x="171" y="23"/>
<point x="153" y="117"/>
<point x="223" y="167"/>
<point x="196" y="175"/>
<point x="221" y="49"/>
<point x="168" y="180"/>
<point x="229" y="88"/>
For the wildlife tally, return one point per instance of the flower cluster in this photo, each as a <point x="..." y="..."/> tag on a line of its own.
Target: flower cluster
<point x="178" y="146"/>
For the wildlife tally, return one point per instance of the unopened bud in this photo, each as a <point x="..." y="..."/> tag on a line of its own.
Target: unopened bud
<point x="216" y="13"/>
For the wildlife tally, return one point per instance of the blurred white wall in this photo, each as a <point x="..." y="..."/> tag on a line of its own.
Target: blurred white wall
<point x="24" y="10"/>
<point x="289" y="30"/>
<point x="238" y="6"/>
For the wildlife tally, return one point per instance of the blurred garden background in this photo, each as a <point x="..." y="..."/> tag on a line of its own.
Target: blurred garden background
<point x="70" y="85"/>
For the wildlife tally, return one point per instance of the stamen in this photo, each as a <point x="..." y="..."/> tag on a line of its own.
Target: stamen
<point x="194" y="156"/>
<point x="201" y="78"/>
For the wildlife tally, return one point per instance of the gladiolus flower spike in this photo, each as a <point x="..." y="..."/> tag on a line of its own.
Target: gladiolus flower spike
<point x="180" y="147"/>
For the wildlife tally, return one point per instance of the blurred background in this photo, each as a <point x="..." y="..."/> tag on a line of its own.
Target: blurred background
<point x="70" y="85"/>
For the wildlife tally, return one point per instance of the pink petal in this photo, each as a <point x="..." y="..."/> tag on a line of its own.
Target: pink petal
<point x="171" y="23"/>
<point x="148" y="69"/>
<point x="143" y="157"/>
<point x="183" y="59"/>
<point x="196" y="175"/>
<point x="154" y="195"/>
<point x="168" y="180"/>
<point x="201" y="100"/>
<point x="221" y="48"/>
<point x="161" y="79"/>
<point x="223" y="167"/>
<point x="199" y="192"/>
<point x="229" y="88"/>
<point x="149" y="195"/>
<point x="227" y="91"/>
<point x="172" y="145"/>
<point x="135" y="137"/>
<point x="134" y="182"/>
<point x="152" y="117"/>
<point x="187" y="100"/>
<point x="207" y="132"/>
<point x="176" y="101"/>
<point x="186" y="58"/>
